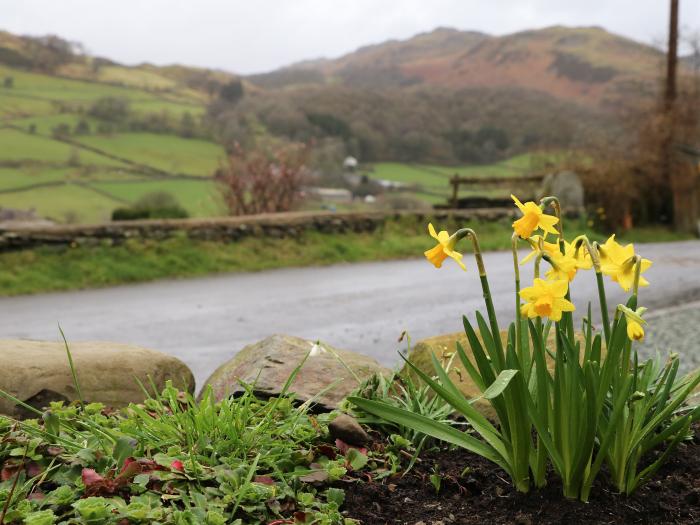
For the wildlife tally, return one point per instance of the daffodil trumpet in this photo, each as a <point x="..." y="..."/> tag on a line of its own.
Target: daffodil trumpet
<point x="635" y="323"/>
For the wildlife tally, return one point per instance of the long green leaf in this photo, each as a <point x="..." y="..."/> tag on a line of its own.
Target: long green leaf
<point x="432" y="428"/>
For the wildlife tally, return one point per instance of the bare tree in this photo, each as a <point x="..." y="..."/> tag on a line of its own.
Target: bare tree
<point x="263" y="180"/>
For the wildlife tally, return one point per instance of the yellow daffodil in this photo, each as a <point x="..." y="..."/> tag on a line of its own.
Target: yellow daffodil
<point x="532" y="219"/>
<point x="546" y="299"/>
<point x="617" y="262"/>
<point x="635" y="329"/>
<point x="540" y="245"/>
<point x="444" y="248"/>
<point x="564" y="265"/>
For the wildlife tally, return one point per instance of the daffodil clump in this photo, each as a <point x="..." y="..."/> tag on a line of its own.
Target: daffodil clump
<point x="572" y="400"/>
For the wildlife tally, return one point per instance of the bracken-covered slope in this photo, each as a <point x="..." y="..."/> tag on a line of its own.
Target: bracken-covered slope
<point x="587" y="65"/>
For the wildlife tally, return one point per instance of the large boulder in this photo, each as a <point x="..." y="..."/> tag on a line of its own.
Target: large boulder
<point x="38" y="372"/>
<point x="268" y="364"/>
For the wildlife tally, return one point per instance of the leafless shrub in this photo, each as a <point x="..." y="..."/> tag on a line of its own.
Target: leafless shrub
<point x="263" y="180"/>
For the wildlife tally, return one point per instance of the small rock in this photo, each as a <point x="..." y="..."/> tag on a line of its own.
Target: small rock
<point x="346" y="428"/>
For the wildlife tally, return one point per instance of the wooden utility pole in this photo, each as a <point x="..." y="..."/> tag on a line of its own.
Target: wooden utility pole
<point x="672" y="174"/>
<point x="672" y="57"/>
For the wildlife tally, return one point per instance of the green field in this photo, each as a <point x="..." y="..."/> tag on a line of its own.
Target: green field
<point x="164" y="152"/>
<point x="199" y="198"/>
<point x="84" y="176"/>
<point x="431" y="183"/>
<point x="58" y="203"/>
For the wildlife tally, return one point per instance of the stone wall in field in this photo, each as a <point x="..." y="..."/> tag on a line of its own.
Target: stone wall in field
<point x="228" y="229"/>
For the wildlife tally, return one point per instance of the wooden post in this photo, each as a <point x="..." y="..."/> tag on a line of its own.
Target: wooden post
<point x="454" y="203"/>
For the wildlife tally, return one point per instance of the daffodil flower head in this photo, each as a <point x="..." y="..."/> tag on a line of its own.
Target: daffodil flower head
<point x="540" y="246"/>
<point x="443" y="249"/>
<point x="546" y="299"/>
<point x="564" y="266"/>
<point x="618" y="263"/>
<point x="635" y="323"/>
<point x="532" y="219"/>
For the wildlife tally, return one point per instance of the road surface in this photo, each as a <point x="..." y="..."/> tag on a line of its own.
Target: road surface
<point x="361" y="307"/>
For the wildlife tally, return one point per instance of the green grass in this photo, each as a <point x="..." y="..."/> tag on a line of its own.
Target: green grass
<point x="50" y="269"/>
<point x="166" y="152"/>
<point x="17" y="146"/>
<point x="199" y="198"/>
<point x="61" y="89"/>
<point x="177" y="109"/>
<point x="433" y="179"/>
<point x="13" y="106"/>
<point x="29" y="175"/>
<point x="59" y="203"/>
<point x="44" y="124"/>
<point x="16" y="178"/>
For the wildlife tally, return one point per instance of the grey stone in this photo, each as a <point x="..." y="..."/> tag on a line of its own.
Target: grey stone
<point x="269" y="363"/>
<point x="347" y="429"/>
<point x="568" y="188"/>
<point x="38" y="372"/>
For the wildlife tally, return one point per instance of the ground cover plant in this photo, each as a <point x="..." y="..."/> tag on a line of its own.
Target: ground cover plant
<point x="173" y="460"/>
<point x="593" y="404"/>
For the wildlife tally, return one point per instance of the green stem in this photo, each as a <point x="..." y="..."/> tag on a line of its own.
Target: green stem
<point x="603" y="307"/>
<point x="518" y="315"/>
<point x="488" y="299"/>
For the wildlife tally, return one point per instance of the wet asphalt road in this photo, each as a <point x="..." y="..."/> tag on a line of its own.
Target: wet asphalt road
<point x="361" y="307"/>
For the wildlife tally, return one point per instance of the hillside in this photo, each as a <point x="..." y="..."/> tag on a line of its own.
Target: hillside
<point x="585" y="65"/>
<point x="81" y="135"/>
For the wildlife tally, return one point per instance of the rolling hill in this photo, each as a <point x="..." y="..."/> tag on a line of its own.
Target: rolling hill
<point x="585" y="65"/>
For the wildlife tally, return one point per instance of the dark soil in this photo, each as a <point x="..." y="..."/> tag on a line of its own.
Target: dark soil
<point x="484" y="495"/>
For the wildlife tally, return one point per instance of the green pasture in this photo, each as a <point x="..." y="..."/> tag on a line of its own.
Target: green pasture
<point x="138" y="78"/>
<point x="17" y="106"/>
<point x="432" y="182"/>
<point x="17" y="146"/>
<point x="199" y="198"/>
<point x="44" y="124"/>
<point x="65" y="203"/>
<point x="17" y="178"/>
<point x="62" y="89"/>
<point x="165" y="152"/>
<point x="176" y="109"/>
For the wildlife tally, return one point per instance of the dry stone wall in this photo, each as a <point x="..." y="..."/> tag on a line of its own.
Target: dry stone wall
<point x="227" y="229"/>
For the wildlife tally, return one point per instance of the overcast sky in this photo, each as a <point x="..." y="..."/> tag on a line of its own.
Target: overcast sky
<point x="260" y="35"/>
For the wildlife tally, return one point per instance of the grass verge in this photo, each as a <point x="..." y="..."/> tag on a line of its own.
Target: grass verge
<point x="48" y="269"/>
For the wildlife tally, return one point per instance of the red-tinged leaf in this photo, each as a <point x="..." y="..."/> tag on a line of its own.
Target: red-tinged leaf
<point x="326" y="450"/>
<point x="91" y="478"/>
<point x="34" y="469"/>
<point x="177" y="465"/>
<point x="9" y="472"/>
<point x="319" y="474"/>
<point x="129" y="471"/>
<point x="299" y="517"/>
<point x="280" y="522"/>
<point x="37" y="495"/>
<point x="266" y="480"/>
<point x="342" y="446"/>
